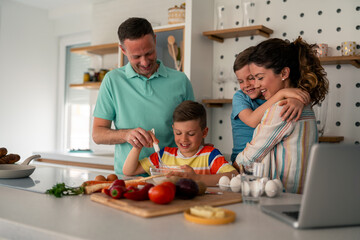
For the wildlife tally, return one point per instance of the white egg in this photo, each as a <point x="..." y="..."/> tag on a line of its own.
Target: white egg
<point x="245" y="188"/>
<point x="271" y="188"/>
<point x="224" y="180"/>
<point x="238" y="176"/>
<point x="255" y="188"/>
<point x="263" y="182"/>
<point x="279" y="185"/>
<point x="235" y="184"/>
<point x="224" y="183"/>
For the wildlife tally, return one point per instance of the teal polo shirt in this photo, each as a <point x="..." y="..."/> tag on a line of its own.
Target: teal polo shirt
<point x="131" y="100"/>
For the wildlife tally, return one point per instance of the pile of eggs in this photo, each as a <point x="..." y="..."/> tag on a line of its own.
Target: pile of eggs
<point x="270" y="187"/>
<point x="234" y="184"/>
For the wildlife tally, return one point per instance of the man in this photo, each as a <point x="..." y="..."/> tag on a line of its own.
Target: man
<point x="139" y="96"/>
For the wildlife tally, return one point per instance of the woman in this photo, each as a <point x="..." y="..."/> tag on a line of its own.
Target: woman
<point x="284" y="147"/>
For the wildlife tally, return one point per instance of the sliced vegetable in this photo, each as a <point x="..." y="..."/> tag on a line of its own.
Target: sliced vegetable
<point x="60" y="189"/>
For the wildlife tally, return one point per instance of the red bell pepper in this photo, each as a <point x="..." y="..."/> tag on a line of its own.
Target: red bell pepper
<point x="139" y="195"/>
<point x="117" y="192"/>
<point x="118" y="182"/>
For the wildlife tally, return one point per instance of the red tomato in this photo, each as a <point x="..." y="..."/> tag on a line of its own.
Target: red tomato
<point x="161" y="194"/>
<point x="171" y="185"/>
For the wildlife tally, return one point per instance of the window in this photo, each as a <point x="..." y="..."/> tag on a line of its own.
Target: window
<point x="77" y="102"/>
<point x="76" y="106"/>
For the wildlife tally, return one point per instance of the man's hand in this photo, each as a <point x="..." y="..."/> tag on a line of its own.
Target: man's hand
<point x="139" y="138"/>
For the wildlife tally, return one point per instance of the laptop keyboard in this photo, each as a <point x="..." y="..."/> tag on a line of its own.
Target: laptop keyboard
<point x="294" y="215"/>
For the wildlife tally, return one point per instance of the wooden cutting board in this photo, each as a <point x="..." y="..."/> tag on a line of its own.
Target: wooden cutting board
<point x="149" y="209"/>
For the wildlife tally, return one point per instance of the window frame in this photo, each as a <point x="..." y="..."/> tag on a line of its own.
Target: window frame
<point x="62" y="115"/>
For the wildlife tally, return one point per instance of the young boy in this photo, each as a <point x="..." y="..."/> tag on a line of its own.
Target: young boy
<point x="249" y="106"/>
<point x="199" y="162"/>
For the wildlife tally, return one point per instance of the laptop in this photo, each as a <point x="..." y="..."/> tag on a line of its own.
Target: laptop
<point x="331" y="196"/>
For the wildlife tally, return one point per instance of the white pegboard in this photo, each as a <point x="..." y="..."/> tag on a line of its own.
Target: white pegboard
<point x="330" y="22"/>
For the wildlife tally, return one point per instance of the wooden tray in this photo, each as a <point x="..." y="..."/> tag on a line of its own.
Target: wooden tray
<point x="149" y="209"/>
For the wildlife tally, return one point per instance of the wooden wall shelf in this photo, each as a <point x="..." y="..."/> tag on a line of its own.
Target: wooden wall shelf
<point x="353" y="60"/>
<point x="220" y="35"/>
<point x="102" y="49"/>
<point x="216" y="102"/>
<point x="112" y="48"/>
<point x="331" y="139"/>
<point x="90" y="85"/>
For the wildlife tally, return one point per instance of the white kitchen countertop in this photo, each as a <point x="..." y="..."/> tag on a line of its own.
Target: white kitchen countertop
<point x="81" y="157"/>
<point x="30" y="215"/>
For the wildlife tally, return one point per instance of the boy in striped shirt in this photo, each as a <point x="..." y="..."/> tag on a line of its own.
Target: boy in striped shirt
<point x="198" y="161"/>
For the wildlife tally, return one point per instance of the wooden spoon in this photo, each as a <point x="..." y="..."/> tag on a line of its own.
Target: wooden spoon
<point x="173" y="50"/>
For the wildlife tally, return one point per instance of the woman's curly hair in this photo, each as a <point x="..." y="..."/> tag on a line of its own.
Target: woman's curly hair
<point x="300" y="57"/>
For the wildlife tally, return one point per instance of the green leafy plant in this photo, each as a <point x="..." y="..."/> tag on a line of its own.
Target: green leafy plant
<point x="60" y="189"/>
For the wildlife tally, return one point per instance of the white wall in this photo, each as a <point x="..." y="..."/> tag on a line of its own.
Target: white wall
<point x="29" y="76"/>
<point x="29" y="52"/>
<point x="27" y="79"/>
<point x="348" y="95"/>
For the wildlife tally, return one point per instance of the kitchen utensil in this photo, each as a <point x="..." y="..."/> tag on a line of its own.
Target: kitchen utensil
<point x="148" y="209"/>
<point x="18" y="170"/>
<point x="157" y="150"/>
<point x="173" y="50"/>
<point x="181" y="54"/>
<point x="155" y="145"/>
<point x="163" y="171"/>
<point x="143" y="179"/>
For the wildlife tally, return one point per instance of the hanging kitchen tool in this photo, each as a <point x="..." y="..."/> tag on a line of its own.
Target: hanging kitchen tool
<point x="173" y="51"/>
<point x="181" y="55"/>
<point x="18" y="170"/>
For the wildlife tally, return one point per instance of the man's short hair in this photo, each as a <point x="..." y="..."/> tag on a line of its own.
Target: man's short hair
<point x="134" y="28"/>
<point x="190" y="110"/>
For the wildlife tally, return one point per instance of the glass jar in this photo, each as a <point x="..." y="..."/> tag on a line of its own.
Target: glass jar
<point x="86" y="77"/>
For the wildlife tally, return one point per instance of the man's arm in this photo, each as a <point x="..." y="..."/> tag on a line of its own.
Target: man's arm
<point x="103" y="134"/>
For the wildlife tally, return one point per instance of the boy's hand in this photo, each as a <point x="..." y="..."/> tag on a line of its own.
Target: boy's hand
<point x="296" y="93"/>
<point x="188" y="173"/>
<point x="292" y="109"/>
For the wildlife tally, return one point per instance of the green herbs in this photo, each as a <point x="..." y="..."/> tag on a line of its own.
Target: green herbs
<point x="59" y="190"/>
